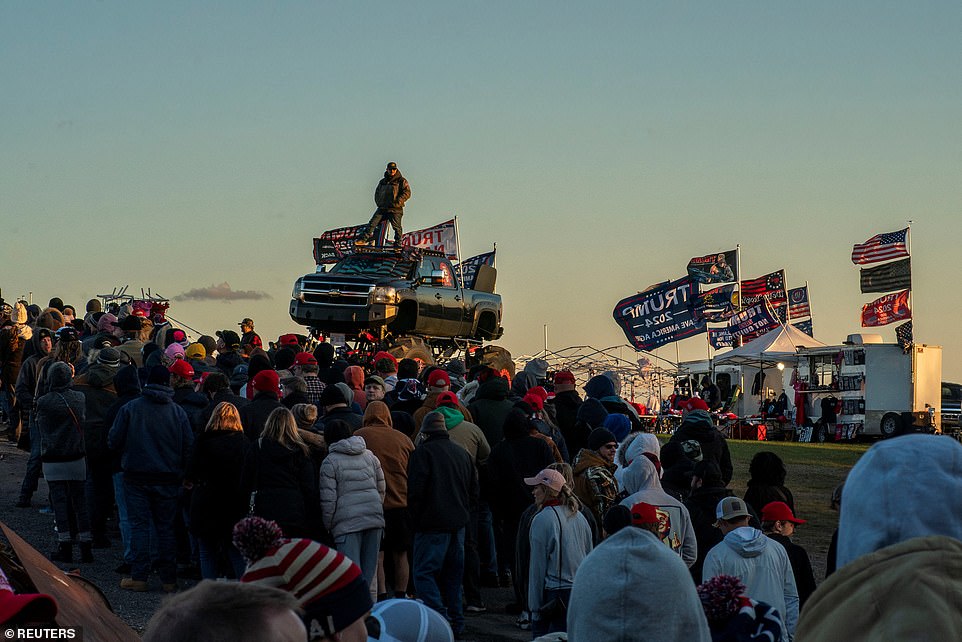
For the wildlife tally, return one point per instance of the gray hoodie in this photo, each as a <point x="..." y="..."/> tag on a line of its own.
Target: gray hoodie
<point x="632" y="587"/>
<point x="763" y="566"/>
<point x="901" y="488"/>
<point x="640" y="479"/>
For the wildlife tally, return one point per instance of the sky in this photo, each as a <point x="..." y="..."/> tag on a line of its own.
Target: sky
<point x="181" y="146"/>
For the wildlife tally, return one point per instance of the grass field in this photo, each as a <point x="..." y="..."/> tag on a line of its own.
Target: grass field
<point x="813" y="472"/>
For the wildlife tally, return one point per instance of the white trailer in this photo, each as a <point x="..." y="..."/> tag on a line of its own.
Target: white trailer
<point x="880" y="389"/>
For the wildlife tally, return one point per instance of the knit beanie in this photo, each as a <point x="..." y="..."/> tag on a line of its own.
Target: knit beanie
<point x="106" y="323"/>
<point x="109" y="357"/>
<point x="599" y="437"/>
<point x="619" y="425"/>
<point x="19" y="315"/>
<point x="592" y="413"/>
<point x="616" y="518"/>
<point x="305" y="414"/>
<point x="159" y="376"/>
<point x="696" y="417"/>
<point x="284" y="358"/>
<point x="332" y="395"/>
<point x="328" y="585"/>
<point x="266" y="381"/>
<point x="721" y="597"/>
<point x="336" y="431"/>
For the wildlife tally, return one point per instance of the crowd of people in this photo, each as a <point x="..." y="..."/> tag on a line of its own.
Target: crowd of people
<point x="342" y="483"/>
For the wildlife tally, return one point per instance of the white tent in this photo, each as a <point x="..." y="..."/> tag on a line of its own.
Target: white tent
<point x="779" y="345"/>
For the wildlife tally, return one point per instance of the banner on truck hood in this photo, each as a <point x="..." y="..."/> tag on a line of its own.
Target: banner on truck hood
<point x="714" y="268"/>
<point x="887" y="309"/>
<point x="438" y="238"/>
<point x="334" y="245"/>
<point x="661" y="314"/>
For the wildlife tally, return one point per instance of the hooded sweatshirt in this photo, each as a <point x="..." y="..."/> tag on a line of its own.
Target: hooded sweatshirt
<point x="698" y="425"/>
<point x="465" y="434"/>
<point x="392" y="448"/>
<point x="60" y="416"/>
<point x="354" y="378"/>
<point x="641" y="480"/>
<point x="763" y="566"/>
<point x="620" y="591"/>
<point x="352" y="488"/>
<point x="490" y="407"/>
<point x="899" y="550"/>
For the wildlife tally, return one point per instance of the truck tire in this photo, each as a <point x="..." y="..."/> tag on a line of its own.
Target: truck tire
<point x="487" y="327"/>
<point x="498" y="358"/>
<point x="890" y="425"/>
<point x="413" y="348"/>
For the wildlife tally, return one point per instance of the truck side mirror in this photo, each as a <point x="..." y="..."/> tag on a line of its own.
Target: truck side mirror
<point x="437" y="277"/>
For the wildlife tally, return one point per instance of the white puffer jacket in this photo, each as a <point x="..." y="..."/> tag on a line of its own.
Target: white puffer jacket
<point x="352" y="488"/>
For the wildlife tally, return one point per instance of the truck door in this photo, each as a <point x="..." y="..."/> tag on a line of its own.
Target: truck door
<point x="454" y="304"/>
<point x="430" y="300"/>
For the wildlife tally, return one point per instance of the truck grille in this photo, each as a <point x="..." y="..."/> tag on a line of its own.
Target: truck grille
<point x="340" y="293"/>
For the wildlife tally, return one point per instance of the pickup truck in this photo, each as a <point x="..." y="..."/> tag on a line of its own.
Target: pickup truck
<point x="951" y="405"/>
<point x="389" y="295"/>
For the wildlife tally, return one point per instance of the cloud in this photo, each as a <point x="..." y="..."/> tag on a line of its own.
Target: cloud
<point x="222" y="292"/>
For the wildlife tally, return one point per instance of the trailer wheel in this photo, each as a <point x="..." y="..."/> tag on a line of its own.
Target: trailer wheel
<point x="890" y="424"/>
<point x="821" y="434"/>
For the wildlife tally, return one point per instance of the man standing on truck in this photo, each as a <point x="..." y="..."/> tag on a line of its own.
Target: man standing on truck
<point x="391" y="193"/>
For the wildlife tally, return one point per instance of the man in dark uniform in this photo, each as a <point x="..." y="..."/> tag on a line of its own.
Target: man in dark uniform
<point x="391" y="193"/>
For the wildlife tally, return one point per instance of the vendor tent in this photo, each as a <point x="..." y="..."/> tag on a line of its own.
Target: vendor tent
<point x="779" y="345"/>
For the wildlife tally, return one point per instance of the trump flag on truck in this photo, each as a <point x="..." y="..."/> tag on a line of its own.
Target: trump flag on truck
<point x="661" y="314"/>
<point x="334" y="245"/>
<point x="887" y="309"/>
<point x="469" y="267"/>
<point x="881" y="247"/>
<point x="438" y="238"/>
<point x="714" y="268"/>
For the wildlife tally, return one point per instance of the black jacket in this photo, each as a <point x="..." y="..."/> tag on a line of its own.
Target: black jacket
<point x="99" y="396"/>
<point x="193" y="404"/>
<point x="222" y="469"/>
<point x="442" y="485"/>
<point x="519" y="455"/>
<point x="801" y="566"/>
<point x="490" y="408"/>
<point x="342" y="413"/>
<point x="286" y="488"/>
<point x="701" y="505"/>
<point x="697" y="425"/>
<point x="60" y="416"/>
<point x="254" y="415"/>
<point x="565" y="407"/>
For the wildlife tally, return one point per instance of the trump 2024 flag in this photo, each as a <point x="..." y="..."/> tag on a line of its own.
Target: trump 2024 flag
<point x="888" y="309"/>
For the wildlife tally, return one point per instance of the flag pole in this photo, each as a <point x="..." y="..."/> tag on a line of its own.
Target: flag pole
<point x="908" y="234"/>
<point x="738" y="281"/>
<point x="457" y="242"/>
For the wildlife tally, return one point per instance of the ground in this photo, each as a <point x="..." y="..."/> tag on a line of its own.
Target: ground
<point x="814" y="470"/>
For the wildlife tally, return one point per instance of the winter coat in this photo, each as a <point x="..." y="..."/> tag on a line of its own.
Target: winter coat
<point x="698" y="425"/>
<point x="60" y="417"/>
<point x="97" y="387"/>
<point x="393" y="449"/>
<point x="194" y="404"/>
<point x="222" y="469"/>
<point x="153" y="435"/>
<point x="340" y="413"/>
<point x="908" y="591"/>
<point x="763" y="566"/>
<point x="641" y="480"/>
<point x="632" y="587"/>
<point x="548" y="430"/>
<point x="560" y="542"/>
<point x="351" y="488"/>
<point x="227" y="361"/>
<point x="490" y="408"/>
<point x="12" y="343"/>
<point x="26" y="383"/>
<point x="442" y="485"/>
<point x="465" y="434"/>
<point x="254" y="415"/>
<point x="801" y="567"/>
<point x="517" y="456"/>
<point x="286" y="487"/>
<point x="392" y="192"/>
<point x="759" y="495"/>
<point x="595" y="483"/>
<point x="701" y="505"/>
<point x="564" y="406"/>
<point x="430" y="404"/>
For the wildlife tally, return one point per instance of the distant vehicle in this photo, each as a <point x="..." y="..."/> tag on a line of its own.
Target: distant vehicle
<point x="407" y="301"/>
<point x="951" y="405"/>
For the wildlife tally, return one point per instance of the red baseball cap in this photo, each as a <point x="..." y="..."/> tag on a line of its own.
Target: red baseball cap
<point x="779" y="512"/>
<point x="564" y="376"/>
<point x="448" y="398"/>
<point x="304" y="359"/>
<point x="695" y="403"/>
<point x="182" y="369"/>
<point x="533" y="400"/>
<point x="439" y="378"/>
<point x="288" y="340"/>
<point x="642" y="513"/>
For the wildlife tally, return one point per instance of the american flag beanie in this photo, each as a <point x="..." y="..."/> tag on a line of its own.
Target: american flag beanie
<point x="327" y="584"/>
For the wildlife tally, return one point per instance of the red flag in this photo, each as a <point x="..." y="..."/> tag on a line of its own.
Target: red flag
<point x="888" y="309"/>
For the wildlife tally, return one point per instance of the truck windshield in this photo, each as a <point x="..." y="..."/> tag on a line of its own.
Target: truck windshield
<point x="375" y="266"/>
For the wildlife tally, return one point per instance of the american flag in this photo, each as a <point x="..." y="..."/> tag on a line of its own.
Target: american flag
<point x="881" y="247"/>
<point x="798" y="303"/>
<point x="903" y="334"/>
<point x="764" y="284"/>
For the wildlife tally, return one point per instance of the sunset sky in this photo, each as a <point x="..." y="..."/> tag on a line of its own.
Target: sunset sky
<point x="179" y="146"/>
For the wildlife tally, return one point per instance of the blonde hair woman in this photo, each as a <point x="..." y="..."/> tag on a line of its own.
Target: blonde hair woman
<point x="560" y="539"/>
<point x="286" y="489"/>
<point x="221" y="472"/>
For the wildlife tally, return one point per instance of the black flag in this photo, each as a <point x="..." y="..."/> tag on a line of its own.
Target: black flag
<point x="896" y="275"/>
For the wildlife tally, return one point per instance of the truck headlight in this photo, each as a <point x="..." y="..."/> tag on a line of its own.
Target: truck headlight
<point x="298" y="291"/>
<point x="383" y="294"/>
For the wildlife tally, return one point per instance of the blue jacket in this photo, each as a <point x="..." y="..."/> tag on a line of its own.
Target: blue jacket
<point x="153" y="436"/>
